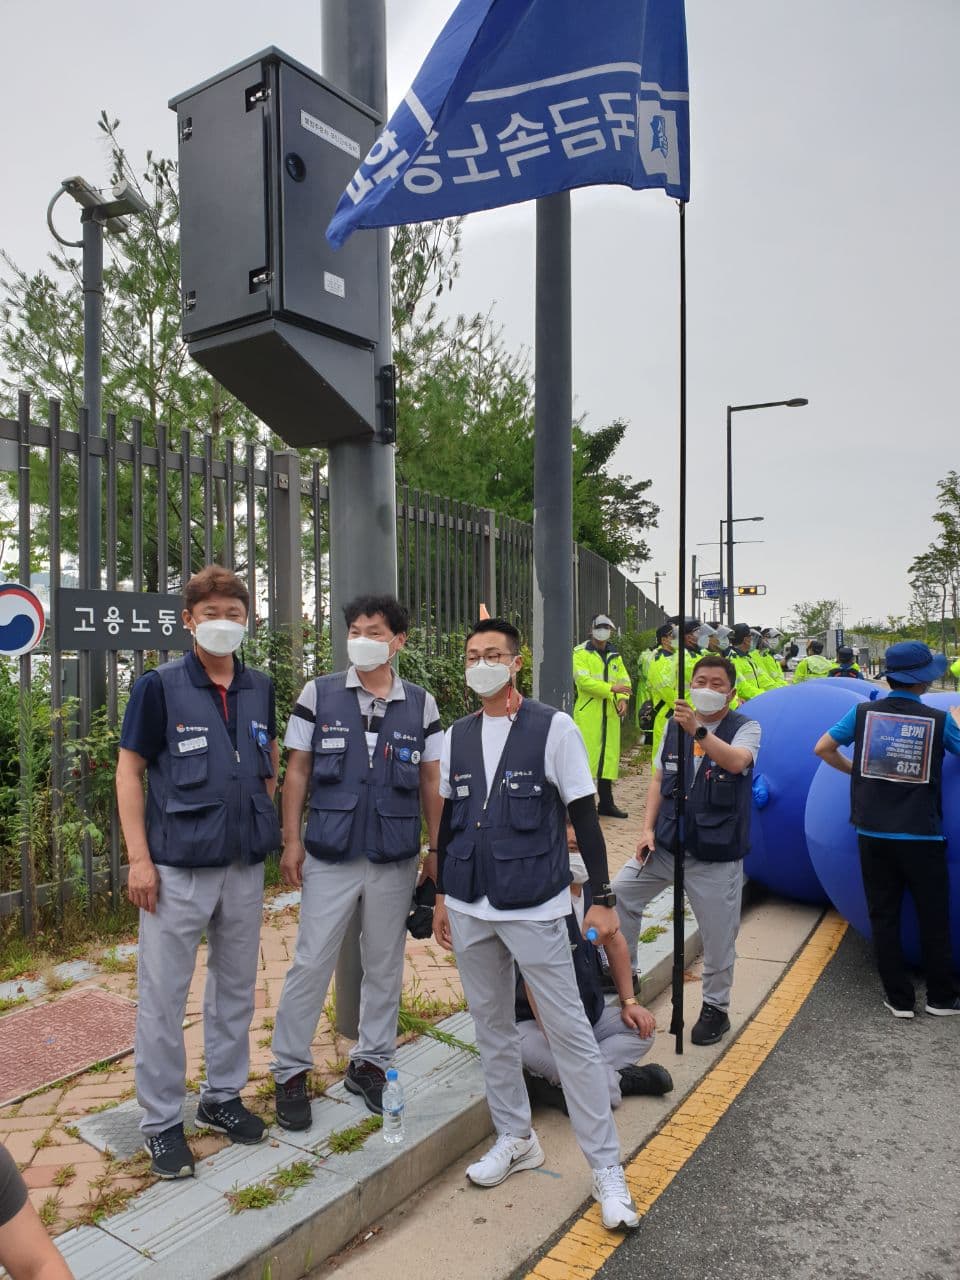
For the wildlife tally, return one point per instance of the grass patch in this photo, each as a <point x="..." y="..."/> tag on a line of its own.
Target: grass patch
<point x="106" y="1202"/>
<point x="110" y="962"/>
<point x="65" y="1174"/>
<point x="267" y="1024"/>
<point x="258" y="1196"/>
<point x="56" y="983"/>
<point x="294" y="1175"/>
<point x="264" y="1042"/>
<point x="100" y="1068"/>
<point x="49" y="1211"/>
<point x="11" y="1003"/>
<point x="343" y="1141"/>
<point x="71" y="1130"/>
<point x="16" y="959"/>
<point x="654" y="932"/>
<point x="103" y="1106"/>
<point x="45" y="1140"/>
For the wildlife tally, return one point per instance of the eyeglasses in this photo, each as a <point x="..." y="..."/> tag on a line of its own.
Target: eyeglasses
<point x="491" y="657"/>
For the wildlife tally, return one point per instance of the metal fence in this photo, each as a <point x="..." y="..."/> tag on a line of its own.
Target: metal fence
<point x="166" y="512"/>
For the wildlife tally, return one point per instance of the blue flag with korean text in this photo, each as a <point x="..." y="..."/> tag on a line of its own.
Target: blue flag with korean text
<point x="521" y="98"/>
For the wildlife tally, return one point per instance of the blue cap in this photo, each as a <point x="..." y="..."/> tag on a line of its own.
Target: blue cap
<point x="911" y="662"/>
<point x="392" y="1073"/>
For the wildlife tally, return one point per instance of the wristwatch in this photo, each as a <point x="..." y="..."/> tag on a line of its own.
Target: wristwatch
<point x="701" y="732"/>
<point x="606" y="899"/>
<point x="629" y="1000"/>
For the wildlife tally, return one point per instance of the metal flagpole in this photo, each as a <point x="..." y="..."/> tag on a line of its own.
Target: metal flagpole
<point x="679" y="794"/>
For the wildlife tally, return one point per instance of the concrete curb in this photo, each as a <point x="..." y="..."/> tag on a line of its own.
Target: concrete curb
<point x="186" y="1229"/>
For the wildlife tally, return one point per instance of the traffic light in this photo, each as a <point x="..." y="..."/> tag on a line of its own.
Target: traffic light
<point x="754" y="590"/>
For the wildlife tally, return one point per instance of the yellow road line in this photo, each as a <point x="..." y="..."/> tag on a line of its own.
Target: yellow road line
<point x="585" y="1247"/>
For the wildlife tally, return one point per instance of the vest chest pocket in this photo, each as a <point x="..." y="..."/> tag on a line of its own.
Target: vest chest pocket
<point x="399" y="823"/>
<point x="329" y="823"/>
<point x="404" y="774"/>
<point x="328" y="762"/>
<point x="189" y="768"/>
<point x="460" y="809"/>
<point x="265" y="833"/>
<point x="524" y="803"/>
<point x="521" y="871"/>
<point x="460" y="870"/>
<point x="716" y="832"/>
<point x="195" y="834"/>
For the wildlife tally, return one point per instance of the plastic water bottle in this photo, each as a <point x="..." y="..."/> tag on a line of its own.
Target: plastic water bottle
<point x="393" y="1108"/>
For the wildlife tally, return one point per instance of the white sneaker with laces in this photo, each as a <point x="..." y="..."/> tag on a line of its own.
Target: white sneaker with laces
<point x="616" y="1205"/>
<point x="507" y="1155"/>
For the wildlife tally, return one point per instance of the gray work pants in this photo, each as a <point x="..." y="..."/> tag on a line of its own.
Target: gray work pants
<point x="225" y="903"/>
<point x="713" y="890"/>
<point x="486" y="951"/>
<point x="331" y="892"/>
<point x="619" y="1047"/>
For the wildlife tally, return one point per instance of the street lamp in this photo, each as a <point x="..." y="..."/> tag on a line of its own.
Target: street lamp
<point x="99" y="212"/>
<point x="795" y="403"/>
<point x="655" y="583"/>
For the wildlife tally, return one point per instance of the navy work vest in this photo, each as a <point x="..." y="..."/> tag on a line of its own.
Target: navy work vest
<point x="358" y="805"/>
<point x="512" y="845"/>
<point x="200" y="788"/>
<point x="718" y="803"/>
<point x="897" y="767"/>
<point x="587" y="967"/>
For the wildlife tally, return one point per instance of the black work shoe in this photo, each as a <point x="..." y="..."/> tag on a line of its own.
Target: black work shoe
<point x="652" y="1080"/>
<point x="293" y="1102"/>
<point x="542" y="1093"/>
<point x="943" y="1008"/>
<point x="170" y="1157"/>
<point x="233" y="1119"/>
<point x="611" y="811"/>
<point x="711" y="1026"/>
<point x="367" y="1080"/>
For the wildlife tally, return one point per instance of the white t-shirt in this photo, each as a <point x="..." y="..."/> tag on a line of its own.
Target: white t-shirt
<point x="303" y="717"/>
<point x="566" y="766"/>
<point x="748" y="735"/>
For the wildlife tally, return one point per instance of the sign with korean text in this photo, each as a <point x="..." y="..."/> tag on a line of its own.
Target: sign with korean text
<point x="897" y="748"/>
<point x="518" y="99"/>
<point x="108" y="620"/>
<point x="710" y="588"/>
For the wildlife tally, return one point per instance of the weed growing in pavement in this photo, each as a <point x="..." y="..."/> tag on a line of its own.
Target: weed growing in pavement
<point x="450" y="958"/>
<point x="343" y="1141"/>
<point x="11" y="1003"/>
<point x="65" y="1174"/>
<point x="49" y="1211"/>
<point x="100" y="1068"/>
<point x="103" y="1106"/>
<point x="267" y="1024"/>
<point x="651" y="934"/>
<point x="294" y="1175"/>
<point x="107" y="1201"/>
<point x="258" y="1196"/>
<point x="110" y="962"/>
<point x="265" y="1042"/>
<point x="45" y="1140"/>
<point x="265" y="1088"/>
<point x="71" y="1130"/>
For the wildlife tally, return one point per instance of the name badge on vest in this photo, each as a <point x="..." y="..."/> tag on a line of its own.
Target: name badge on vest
<point x="897" y="748"/>
<point x="669" y="766"/>
<point x="191" y="744"/>
<point x="333" y="744"/>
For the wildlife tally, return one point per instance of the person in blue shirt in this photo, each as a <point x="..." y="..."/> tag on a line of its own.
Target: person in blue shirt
<point x="895" y="805"/>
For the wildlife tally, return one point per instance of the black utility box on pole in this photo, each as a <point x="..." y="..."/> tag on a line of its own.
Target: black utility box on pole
<point x="285" y="322"/>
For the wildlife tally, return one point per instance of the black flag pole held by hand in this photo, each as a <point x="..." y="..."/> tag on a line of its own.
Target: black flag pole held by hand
<point x="679" y="791"/>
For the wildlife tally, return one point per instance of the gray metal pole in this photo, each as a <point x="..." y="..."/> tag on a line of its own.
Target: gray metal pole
<point x="92" y="281"/>
<point x="363" y="492"/>
<point x="694" y="592"/>
<point x="552" y="459"/>
<point x="731" y="590"/>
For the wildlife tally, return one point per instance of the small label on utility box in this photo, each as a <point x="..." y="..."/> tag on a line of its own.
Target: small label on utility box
<point x="334" y="284"/>
<point x="329" y="134"/>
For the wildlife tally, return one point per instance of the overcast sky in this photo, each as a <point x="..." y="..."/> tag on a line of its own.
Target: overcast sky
<point x="822" y="254"/>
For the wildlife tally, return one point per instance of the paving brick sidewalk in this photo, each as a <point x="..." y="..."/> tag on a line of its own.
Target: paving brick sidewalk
<point x="72" y="1182"/>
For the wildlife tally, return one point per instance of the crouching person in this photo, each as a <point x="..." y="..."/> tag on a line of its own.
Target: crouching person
<point x="202" y="729"/>
<point x="624" y="1032"/>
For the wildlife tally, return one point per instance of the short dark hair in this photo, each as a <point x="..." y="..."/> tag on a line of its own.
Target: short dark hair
<point x="214" y="580"/>
<point x="722" y="663"/>
<point x="394" y="614"/>
<point x="495" y="624"/>
<point x="816" y="646"/>
<point x="901" y="684"/>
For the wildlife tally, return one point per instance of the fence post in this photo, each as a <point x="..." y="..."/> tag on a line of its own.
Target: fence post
<point x="488" y="561"/>
<point x="288" y="543"/>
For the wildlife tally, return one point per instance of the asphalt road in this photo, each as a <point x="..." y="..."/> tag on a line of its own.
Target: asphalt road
<point x="840" y="1159"/>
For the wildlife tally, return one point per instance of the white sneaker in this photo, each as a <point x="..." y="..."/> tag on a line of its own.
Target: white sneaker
<point x="616" y="1205"/>
<point x="897" y="1012"/>
<point x="507" y="1155"/>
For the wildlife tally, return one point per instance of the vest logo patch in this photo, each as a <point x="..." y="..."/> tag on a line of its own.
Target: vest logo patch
<point x="333" y="744"/>
<point x="191" y="744"/>
<point x="192" y="728"/>
<point x="403" y="737"/>
<point x="343" y="728"/>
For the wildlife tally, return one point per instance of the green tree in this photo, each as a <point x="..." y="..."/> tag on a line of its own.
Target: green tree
<point x="814" y="617"/>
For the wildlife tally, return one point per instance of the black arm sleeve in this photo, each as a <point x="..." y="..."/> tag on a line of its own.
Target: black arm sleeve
<point x="593" y="848"/>
<point x="443" y="839"/>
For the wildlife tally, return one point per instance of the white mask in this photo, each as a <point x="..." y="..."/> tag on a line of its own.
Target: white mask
<point x="708" y="701"/>
<point x="601" y="633"/>
<point x="367" y="654"/>
<point x="220" y="636"/>
<point x="674" y="636"/>
<point x="487" y="678"/>
<point x="723" y="643"/>
<point x="578" y="869"/>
